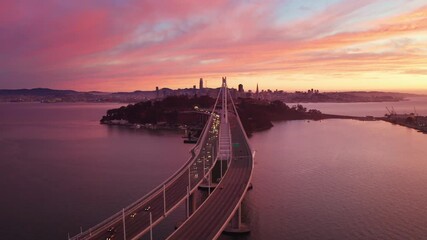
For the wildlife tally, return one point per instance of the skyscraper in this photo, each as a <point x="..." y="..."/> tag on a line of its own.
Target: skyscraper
<point x="257" y="94"/>
<point x="241" y="88"/>
<point x="201" y="83"/>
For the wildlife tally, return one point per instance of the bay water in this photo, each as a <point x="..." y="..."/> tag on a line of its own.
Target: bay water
<point x="333" y="179"/>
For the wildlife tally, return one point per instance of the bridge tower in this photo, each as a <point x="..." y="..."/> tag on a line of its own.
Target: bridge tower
<point x="224" y="130"/>
<point x="224" y="142"/>
<point x="235" y="225"/>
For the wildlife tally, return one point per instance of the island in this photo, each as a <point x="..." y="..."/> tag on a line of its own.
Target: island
<point x="191" y="114"/>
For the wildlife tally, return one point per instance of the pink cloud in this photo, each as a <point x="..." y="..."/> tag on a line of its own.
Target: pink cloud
<point x="90" y="43"/>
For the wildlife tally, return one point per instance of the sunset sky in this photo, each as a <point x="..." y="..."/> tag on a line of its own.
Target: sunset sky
<point x="118" y="45"/>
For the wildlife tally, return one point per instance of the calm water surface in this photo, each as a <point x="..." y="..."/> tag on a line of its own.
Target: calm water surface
<point x="334" y="179"/>
<point x="376" y="109"/>
<point x="339" y="179"/>
<point x="60" y="169"/>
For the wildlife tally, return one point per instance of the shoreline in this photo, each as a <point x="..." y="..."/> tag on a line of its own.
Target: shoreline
<point x="183" y="128"/>
<point x="161" y="127"/>
<point x="420" y="127"/>
<point x="179" y="113"/>
<point x="149" y="126"/>
<point x="287" y="102"/>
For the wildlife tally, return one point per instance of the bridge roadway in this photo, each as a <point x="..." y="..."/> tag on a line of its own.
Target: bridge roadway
<point x="215" y="213"/>
<point x="213" y="216"/>
<point x="137" y="216"/>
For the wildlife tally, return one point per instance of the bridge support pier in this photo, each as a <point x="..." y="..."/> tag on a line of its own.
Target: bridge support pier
<point x="192" y="203"/>
<point x="190" y="207"/>
<point x="236" y="225"/>
<point x="215" y="176"/>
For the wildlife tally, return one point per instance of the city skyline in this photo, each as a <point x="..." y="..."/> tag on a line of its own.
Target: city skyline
<point x="110" y="46"/>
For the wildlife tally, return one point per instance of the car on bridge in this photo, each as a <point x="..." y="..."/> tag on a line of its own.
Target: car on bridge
<point x="111" y="232"/>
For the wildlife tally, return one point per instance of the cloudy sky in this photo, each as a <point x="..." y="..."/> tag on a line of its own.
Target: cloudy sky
<point x="114" y="45"/>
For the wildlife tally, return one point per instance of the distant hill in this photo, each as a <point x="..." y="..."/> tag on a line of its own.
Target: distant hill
<point x="37" y="92"/>
<point x="350" y="96"/>
<point x="53" y="95"/>
<point x="380" y="94"/>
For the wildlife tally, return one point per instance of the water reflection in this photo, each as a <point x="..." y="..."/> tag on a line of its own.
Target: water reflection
<point x="377" y="109"/>
<point x="332" y="179"/>
<point x="61" y="169"/>
<point x="339" y="179"/>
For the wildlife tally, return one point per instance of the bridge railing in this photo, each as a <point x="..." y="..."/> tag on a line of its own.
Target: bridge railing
<point x="240" y="122"/>
<point x="250" y="176"/>
<point x="246" y="185"/>
<point x="186" y="167"/>
<point x="195" y="151"/>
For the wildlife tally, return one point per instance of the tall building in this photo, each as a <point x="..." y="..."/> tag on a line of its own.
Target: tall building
<point x="157" y="92"/>
<point x="257" y="93"/>
<point x="241" y="90"/>
<point x="201" y="83"/>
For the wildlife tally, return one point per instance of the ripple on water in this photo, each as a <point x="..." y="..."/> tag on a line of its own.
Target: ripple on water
<point x="339" y="179"/>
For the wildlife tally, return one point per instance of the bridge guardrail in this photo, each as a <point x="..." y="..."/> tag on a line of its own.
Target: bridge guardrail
<point x="250" y="176"/>
<point x="246" y="184"/>
<point x="118" y="216"/>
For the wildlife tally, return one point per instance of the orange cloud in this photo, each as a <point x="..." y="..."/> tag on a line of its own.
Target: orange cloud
<point x="139" y="44"/>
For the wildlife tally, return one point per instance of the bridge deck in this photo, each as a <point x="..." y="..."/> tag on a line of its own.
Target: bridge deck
<point x="213" y="216"/>
<point x="137" y="215"/>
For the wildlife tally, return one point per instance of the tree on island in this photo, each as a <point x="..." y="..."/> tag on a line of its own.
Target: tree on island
<point x="255" y="114"/>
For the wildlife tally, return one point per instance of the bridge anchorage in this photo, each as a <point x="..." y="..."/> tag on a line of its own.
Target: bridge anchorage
<point x="221" y="166"/>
